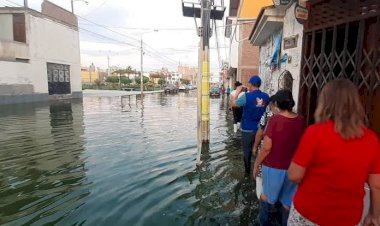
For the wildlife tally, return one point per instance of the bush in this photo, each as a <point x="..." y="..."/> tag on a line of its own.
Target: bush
<point x="112" y="79"/>
<point x="138" y="79"/>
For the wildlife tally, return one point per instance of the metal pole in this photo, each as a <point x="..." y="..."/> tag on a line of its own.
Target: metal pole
<point x="72" y="6"/>
<point x="199" y="103"/>
<point x="108" y="69"/>
<point x="26" y="3"/>
<point x="142" y="74"/>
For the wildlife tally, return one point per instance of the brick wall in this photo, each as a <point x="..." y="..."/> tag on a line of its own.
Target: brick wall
<point x="249" y="55"/>
<point x="58" y="13"/>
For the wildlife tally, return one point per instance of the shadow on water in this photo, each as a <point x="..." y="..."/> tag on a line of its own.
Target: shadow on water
<point x="42" y="173"/>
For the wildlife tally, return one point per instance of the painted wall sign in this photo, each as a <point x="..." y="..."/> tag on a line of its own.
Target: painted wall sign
<point x="301" y="14"/>
<point x="291" y="42"/>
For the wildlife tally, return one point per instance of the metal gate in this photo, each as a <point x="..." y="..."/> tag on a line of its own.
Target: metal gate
<point x="342" y="40"/>
<point x="58" y="78"/>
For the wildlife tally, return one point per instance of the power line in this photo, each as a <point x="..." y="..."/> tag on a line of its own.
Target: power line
<point x="101" y="4"/>
<point x="128" y="44"/>
<point x="116" y="32"/>
<point x="105" y="27"/>
<point x="168" y="28"/>
<point x="217" y="46"/>
<point x="106" y="37"/>
<point x="14" y="3"/>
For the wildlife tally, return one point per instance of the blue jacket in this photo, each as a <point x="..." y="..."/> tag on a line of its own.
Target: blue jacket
<point x="255" y="105"/>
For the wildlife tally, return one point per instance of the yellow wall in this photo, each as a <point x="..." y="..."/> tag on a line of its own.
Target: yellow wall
<point x="251" y="8"/>
<point x="89" y="78"/>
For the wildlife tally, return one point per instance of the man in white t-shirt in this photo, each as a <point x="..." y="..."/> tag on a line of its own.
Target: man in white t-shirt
<point x="237" y="111"/>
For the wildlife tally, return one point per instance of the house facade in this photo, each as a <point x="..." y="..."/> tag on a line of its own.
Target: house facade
<point x="39" y="54"/>
<point x="279" y="36"/>
<point x="243" y="57"/>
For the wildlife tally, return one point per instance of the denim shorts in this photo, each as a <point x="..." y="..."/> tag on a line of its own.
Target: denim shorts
<point x="277" y="186"/>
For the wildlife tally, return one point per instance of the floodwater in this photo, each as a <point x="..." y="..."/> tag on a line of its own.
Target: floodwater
<point x="119" y="161"/>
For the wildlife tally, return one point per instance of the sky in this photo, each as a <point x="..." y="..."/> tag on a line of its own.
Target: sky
<point x="169" y="38"/>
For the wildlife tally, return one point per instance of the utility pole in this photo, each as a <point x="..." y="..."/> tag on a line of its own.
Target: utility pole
<point x="204" y="32"/>
<point x="205" y="73"/>
<point x="142" y="74"/>
<point x="108" y="69"/>
<point x="26" y="3"/>
<point x="204" y="79"/>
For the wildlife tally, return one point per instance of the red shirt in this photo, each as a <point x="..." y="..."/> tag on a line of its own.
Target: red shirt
<point x="285" y="134"/>
<point x="332" y="190"/>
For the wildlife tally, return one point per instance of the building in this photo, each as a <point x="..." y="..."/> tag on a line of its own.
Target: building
<point x="336" y="39"/>
<point x="342" y="40"/>
<point x="89" y="74"/>
<point x="279" y="35"/>
<point x="173" y="78"/>
<point x="188" y="73"/>
<point x="244" y="58"/>
<point x="39" y="54"/>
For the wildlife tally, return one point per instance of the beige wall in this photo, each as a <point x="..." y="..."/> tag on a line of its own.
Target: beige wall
<point x="6" y="27"/>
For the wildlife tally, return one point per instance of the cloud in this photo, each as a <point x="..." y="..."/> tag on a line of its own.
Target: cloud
<point x="176" y="38"/>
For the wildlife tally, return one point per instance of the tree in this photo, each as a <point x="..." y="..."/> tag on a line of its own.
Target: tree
<point x="113" y="79"/>
<point x="125" y="80"/>
<point x="161" y="81"/>
<point x="98" y="82"/>
<point x="185" y="81"/>
<point x="129" y="71"/>
<point x="138" y="79"/>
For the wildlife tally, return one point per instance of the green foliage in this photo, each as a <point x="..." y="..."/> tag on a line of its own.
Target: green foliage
<point x="112" y="79"/>
<point x="185" y="81"/>
<point x="161" y="81"/>
<point x="138" y="79"/>
<point x="126" y="80"/>
<point x="126" y="71"/>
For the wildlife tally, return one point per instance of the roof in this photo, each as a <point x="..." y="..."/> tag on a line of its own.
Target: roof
<point x="269" y="21"/>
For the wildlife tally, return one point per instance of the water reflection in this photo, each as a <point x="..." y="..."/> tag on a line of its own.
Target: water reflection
<point x="42" y="174"/>
<point x="108" y="161"/>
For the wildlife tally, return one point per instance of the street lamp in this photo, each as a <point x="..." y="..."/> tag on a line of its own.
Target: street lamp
<point x="142" y="54"/>
<point x="72" y="4"/>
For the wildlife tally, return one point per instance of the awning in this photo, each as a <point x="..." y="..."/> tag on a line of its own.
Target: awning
<point x="270" y="20"/>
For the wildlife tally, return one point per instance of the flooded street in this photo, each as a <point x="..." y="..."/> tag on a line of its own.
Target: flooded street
<point x="114" y="161"/>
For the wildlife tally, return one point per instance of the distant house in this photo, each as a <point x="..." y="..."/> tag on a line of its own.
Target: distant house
<point x="188" y="73"/>
<point x="39" y="54"/>
<point x="173" y="78"/>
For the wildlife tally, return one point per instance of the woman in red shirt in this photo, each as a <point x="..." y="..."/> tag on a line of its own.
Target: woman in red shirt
<point x="334" y="160"/>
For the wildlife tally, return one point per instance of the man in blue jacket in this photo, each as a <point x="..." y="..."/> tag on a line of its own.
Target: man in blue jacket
<point x="254" y="103"/>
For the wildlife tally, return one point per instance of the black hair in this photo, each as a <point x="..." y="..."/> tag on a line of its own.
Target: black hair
<point x="284" y="99"/>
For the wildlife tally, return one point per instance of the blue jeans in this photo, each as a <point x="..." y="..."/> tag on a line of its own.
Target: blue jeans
<point x="248" y="139"/>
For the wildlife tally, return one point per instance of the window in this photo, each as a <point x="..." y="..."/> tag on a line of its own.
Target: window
<point x="19" y="34"/>
<point x="12" y="27"/>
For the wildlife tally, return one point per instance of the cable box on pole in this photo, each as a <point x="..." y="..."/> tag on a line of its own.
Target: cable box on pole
<point x="193" y="9"/>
